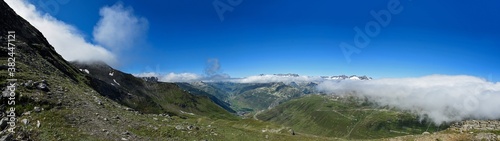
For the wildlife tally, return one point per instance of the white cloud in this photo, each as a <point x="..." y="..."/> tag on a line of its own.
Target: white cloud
<point x="119" y="28"/>
<point x="181" y="77"/>
<point x="66" y="39"/>
<point x="442" y="98"/>
<point x="276" y="78"/>
<point x="147" y="74"/>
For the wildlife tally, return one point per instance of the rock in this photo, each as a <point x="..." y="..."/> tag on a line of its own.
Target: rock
<point x="155" y="118"/>
<point x="25" y="121"/>
<point x="105" y="119"/>
<point x="190" y="127"/>
<point x="27" y="113"/>
<point x="125" y="133"/>
<point x="5" y="93"/>
<point x="42" y="86"/>
<point x="179" y="127"/>
<point x="426" y="133"/>
<point x="3" y="123"/>
<point x="7" y="137"/>
<point x="486" y="136"/>
<point x="38" y="124"/>
<point x="29" y="84"/>
<point x="3" y="66"/>
<point x="104" y="130"/>
<point x="124" y="139"/>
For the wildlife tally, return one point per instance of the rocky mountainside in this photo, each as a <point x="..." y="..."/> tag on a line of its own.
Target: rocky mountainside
<point x="148" y="96"/>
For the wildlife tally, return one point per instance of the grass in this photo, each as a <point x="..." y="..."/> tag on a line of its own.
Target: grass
<point x="345" y="118"/>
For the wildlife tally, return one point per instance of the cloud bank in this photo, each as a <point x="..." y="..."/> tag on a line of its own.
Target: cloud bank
<point x="116" y="28"/>
<point x="442" y="98"/>
<point x="277" y="78"/>
<point x="173" y="77"/>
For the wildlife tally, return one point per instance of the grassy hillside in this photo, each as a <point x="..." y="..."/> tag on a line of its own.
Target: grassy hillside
<point x="344" y="118"/>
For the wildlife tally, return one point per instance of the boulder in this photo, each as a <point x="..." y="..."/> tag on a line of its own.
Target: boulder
<point x="3" y="123"/>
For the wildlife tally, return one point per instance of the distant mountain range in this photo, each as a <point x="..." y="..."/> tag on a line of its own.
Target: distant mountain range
<point x="251" y="97"/>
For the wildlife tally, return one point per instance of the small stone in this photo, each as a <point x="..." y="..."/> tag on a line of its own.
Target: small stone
<point x="37" y="109"/>
<point x="27" y="113"/>
<point x="104" y="130"/>
<point x="124" y="139"/>
<point x="5" y="93"/>
<point x="29" y="83"/>
<point x="25" y="121"/>
<point x="105" y="119"/>
<point x="42" y="86"/>
<point x="426" y="133"/>
<point x="125" y="133"/>
<point x="178" y="127"/>
<point x="38" y="124"/>
<point x="155" y="118"/>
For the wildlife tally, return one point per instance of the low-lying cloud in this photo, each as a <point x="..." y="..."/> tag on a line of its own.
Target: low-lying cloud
<point x="442" y="98"/>
<point x="276" y="78"/>
<point x="173" y="77"/>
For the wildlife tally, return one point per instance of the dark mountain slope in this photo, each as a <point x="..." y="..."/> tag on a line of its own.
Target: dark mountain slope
<point x="216" y="100"/>
<point x="148" y="97"/>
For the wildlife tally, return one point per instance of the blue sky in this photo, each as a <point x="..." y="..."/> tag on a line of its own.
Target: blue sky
<point x="259" y="36"/>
